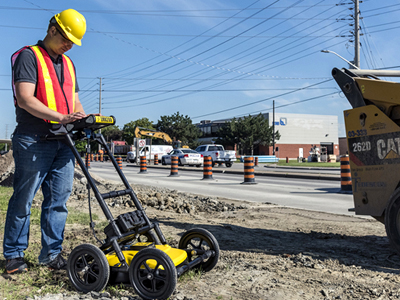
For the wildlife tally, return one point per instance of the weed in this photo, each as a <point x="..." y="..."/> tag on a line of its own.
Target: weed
<point x="192" y="274"/>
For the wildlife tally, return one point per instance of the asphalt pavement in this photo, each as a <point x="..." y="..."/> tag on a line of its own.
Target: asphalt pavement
<point x="266" y="170"/>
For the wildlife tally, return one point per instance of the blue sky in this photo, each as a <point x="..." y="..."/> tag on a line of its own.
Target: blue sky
<point x="208" y="59"/>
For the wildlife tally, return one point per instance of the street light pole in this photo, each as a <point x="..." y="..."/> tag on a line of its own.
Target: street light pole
<point x="328" y="51"/>
<point x="356" y="33"/>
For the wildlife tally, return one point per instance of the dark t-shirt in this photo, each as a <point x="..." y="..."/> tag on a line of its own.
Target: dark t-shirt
<point x="25" y="70"/>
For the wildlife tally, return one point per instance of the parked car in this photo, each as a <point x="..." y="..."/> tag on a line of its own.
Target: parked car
<point x="186" y="156"/>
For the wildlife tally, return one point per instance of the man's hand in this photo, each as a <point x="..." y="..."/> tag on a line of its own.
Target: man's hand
<point x="72" y="117"/>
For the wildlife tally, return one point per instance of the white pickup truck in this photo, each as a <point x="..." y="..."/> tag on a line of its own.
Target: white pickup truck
<point x="218" y="154"/>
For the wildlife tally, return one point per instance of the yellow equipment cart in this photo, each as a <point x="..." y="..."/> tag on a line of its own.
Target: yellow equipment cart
<point x="134" y="250"/>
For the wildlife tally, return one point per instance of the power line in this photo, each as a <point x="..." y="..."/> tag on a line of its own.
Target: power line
<point x="262" y="100"/>
<point x="289" y="104"/>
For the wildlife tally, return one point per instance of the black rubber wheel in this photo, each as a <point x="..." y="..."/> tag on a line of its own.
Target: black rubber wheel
<point x="88" y="268"/>
<point x="199" y="238"/>
<point x="180" y="163"/>
<point x="198" y="166"/>
<point x="228" y="165"/>
<point x="163" y="162"/>
<point x="212" y="163"/>
<point x="152" y="274"/>
<point x="392" y="219"/>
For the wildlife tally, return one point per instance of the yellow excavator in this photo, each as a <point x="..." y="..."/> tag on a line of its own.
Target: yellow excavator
<point x="373" y="138"/>
<point x="140" y="131"/>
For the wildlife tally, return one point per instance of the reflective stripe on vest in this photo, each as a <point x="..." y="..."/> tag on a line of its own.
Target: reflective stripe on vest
<point x="48" y="89"/>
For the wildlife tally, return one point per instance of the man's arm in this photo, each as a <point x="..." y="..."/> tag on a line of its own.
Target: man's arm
<point x="25" y="92"/>
<point x="78" y="104"/>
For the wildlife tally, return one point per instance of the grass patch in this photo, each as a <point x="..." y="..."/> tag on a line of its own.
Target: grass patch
<point x="39" y="280"/>
<point x="190" y="275"/>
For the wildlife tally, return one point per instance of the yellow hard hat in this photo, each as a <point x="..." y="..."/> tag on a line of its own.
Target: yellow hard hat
<point x="73" y="24"/>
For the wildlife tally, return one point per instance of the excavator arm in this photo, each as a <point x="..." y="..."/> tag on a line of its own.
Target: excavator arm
<point x="140" y="131"/>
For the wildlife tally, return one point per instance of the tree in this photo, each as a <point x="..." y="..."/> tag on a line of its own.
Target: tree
<point x="129" y="129"/>
<point x="248" y="132"/>
<point x="181" y="128"/>
<point x="111" y="132"/>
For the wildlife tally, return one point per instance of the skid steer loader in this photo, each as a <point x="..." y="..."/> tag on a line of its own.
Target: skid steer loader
<point x="373" y="138"/>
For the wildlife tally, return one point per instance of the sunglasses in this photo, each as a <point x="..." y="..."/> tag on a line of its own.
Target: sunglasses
<point x="64" y="38"/>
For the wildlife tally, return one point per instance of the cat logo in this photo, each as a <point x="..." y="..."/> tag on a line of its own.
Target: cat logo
<point x="389" y="149"/>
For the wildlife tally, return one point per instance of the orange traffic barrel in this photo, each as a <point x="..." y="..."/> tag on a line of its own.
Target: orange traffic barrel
<point x="143" y="164"/>
<point x="87" y="160"/>
<point x="101" y="157"/>
<point x="345" y="174"/>
<point x="91" y="157"/>
<point x="174" y="166"/>
<point x="249" y="171"/>
<point x="119" y="161"/>
<point x="207" y="168"/>
<point x="155" y="159"/>
<point x="256" y="161"/>
<point x="96" y="157"/>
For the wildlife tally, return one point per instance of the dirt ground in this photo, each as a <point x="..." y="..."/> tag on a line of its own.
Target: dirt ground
<point x="275" y="252"/>
<point x="267" y="251"/>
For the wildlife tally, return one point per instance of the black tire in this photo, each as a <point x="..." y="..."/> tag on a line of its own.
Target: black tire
<point x="150" y="281"/>
<point x="392" y="220"/>
<point x="199" y="238"/>
<point x="228" y="165"/>
<point x="180" y="163"/>
<point x="212" y="163"/>
<point x="163" y="162"/>
<point x="198" y="166"/>
<point x="88" y="268"/>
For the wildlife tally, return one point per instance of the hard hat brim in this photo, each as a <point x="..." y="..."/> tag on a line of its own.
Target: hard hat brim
<point x="73" y="39"/>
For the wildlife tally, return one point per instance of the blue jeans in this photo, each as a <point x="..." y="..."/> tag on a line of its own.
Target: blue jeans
<point x="49" y="164"/>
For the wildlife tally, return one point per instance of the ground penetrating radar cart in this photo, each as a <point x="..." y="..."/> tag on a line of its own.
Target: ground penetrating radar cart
<point x="134" y="249"/>
<point x="373" y="137"/>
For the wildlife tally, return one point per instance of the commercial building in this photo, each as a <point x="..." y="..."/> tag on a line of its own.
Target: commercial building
<point x="300" y="134"/>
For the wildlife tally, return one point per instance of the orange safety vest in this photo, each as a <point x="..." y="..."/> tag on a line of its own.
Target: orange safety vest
<point x="48" y="87"/>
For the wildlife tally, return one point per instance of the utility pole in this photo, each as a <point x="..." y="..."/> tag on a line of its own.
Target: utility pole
<point x="356" y="33"/>
<point x="100" y="106"/>
<point x="100" y="98"/>
<point x="273" y="127"/>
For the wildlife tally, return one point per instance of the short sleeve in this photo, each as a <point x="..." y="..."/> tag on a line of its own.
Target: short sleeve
<point x="25" y="67"/>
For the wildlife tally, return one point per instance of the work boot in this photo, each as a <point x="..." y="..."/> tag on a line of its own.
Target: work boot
<point x="16" y="265"/>
<point x="59" y="263"/>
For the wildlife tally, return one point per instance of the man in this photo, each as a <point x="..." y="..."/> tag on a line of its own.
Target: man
<point x="45" y="96"/>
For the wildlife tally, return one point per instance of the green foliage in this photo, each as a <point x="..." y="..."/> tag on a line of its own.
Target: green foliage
<point x="181" y="128"/>
<point x="247" y="132"/>
<point x="3" y="147"/>
<point x="129" y="129"/>
<point x="111" y="133"/>
<point x="80" y="146"/>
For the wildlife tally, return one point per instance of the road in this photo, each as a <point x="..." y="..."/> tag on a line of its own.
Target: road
<point x="317" y="195"/>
